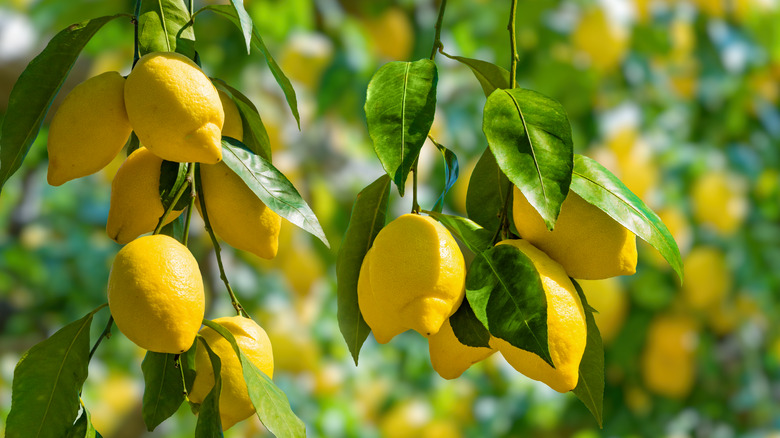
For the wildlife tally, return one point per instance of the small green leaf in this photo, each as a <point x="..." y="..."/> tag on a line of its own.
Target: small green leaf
<point x="35" y="90"/>
<point x="270" y="403"/>
<point x="476" y="238"/>
<point x="590" y="386"/>
<point x="598" y="186"/>
<point x="487" y="192"/>
<point x="450" y="173"/>
<point x="163" y="390"/>
<point x="132" y="143"/>
<point x="187" y="362"/>
<point x="467" y="328"/>
<point x="173" y="175"/>
<point x="271" y="187"/>
<point x="163" y="27"/>
<point x="530" y="137"/>
<point x="400" y="105"/>
<point x="369" y="214"/>
<point x="47" y="382"/>
<point x="489" y="75"/>
<point x="505" y="291"/>
<point x="209" y="423"/>
<point x="245" y="22"/>
<point x="255" y="135"/>
<point x="83" y="427"/>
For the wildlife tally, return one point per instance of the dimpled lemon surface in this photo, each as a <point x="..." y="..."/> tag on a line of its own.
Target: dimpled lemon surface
<point x="382" y="324"/>
<point x="155" y="293"/>
<point x="449" y="357"/>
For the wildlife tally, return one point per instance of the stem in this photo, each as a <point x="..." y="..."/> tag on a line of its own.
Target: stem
<point x="179" y="193"/>
<point x="512" y="46"/>
<point x="437" y="36"/>
<point x="136" y="51"/>
<point x="106" y="334"/>
<point x="503" y="218"/>
<point x="181" y="371"/>
<point x="217" y="249"/>
<point x="415" y="205"/>
<point x="193" y="193"/>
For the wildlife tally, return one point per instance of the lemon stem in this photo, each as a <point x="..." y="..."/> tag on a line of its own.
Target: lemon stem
<point x="512" y="46"/>
<point x="106" y="334"/>
<point x="191" y="183"/>
<point x="176" y="198"/>
<point x="177" y="364"/>
<point x="437" y="36"/>
<point x="136" y="51"/>
<point x="415" y="205"/>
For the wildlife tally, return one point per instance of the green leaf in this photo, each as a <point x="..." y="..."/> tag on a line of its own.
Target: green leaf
<point x="132" y="144"/>
<point x="163" y="388"/>
<point x="83" y="427"/>
<point x="245" y="22"/>
<point x="450" y="173"/>
<point x="489" y="75"/>
<point x="35" y="90"/>
<point x="467" y="328"/>
<point x="590" y="386"/>
<point x="505" y="291"/>
<point x="400" y="105"/>
<point x="209" y="423"/>
<point x="598" y="186"/>
<point x="487" y="192"/>
<point x="47" y="382"/>
<point x="173" y="175"/>
<point x="271" y="186"/>
<point x="269" y="401"/>
<point x="255" y="135"/>
<point x="369" y="214"/>
<point x="163" y="27"/>
<point x="229" y="12"/>
<point x="187" y="362"/>
<point x="476" y="238"/>
<point x="530" y="136"/>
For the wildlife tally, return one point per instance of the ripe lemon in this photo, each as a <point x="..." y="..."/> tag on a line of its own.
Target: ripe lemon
<point x="609" y="298"/>
<point x="89" y="128"/>
<point x="707" y="278"/>
<point x="135" y="205"/>
<point x="174" y="109"/>
<point x="155" y="293"/>
<point x="587" y="242"/>
<point x="449" y="357"/>
<point x="417" y="273"/>
<point x="383" y="325"/>
<point x="234" y="402"/>
<point x="719" y="201"/>
<point x="667" y="362"/>
<point x="233" y="126"/>
<point x="566" y="329"/>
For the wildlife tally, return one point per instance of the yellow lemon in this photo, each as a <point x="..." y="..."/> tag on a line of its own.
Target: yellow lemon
<point x="236" y="214"/>
<point x="391" y="34"/>
<point x="295" y="352"/>
<point x="449" y="357"/>
<point x="610" y="300"/>
<point x="174" y="109"/>
<point x="566" y="329"/>
<point x="707" y="278"/>
<point x="383" y="325"/>
<point x="89" y="128"/>
<point x="667" y="362"/>
<point x="719" y="200"/>
<point x="234" y="402"/>
<point x="604" y="44"/>
<point x="305" y="58"/>
<point x="417" y="273"/>
<point x="587" y="242"/>
<point x="155" y="293"/>
<point x="233" y="126"/>
<point x="406" y="419"/>
<point x="135" y="205"/>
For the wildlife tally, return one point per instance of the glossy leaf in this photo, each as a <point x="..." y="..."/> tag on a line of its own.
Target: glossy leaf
<point x="173" y="175"/>
<point x="530" y="137"/>
<point x="270" y="186"/>
<point x="598" y="186"/>
<point x="476" y="238"/>
<point x="209" y="422"/>
<point x="163" y="27"/>
<point x="590" y="386"/>
<point x="163" y="388"/>
<point x="400" y="105"/>
<point x="245" y="22"/>
<point x="489" y="75"/>
<point x="450" y="173"/>
<point x="35" y="90"/>
<point x="505" y="291"/>
<point x="369" y="214"/>
<point x="47" y="382"/>
<point x="255" y="134"/>
<point x="467" y="328"/>
<point x="487" y="192"/>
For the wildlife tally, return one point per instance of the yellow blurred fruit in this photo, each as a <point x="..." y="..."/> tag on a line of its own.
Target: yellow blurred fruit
<point x="566" y="329"/>
<point x="89" y="128"/>
<point x="135" y="205"/>
<point x="302" y="268"/>
<point x="417" y="273"/>
<point x="391" y="34"/>
<point x="234" y="402"/>
<point x="603" y="43"/>
<point x="449" y="357"/>
<point x="407" y="419"/>
<point x="233" y="126"/>
<point x="716" y="8"/>
<point x="442" y="428"/>
<point x="708" y="278"/>
<point x="236" y="214"/>
<point x="174" y="109"/>
<point x="719" y="201"/>
<point x="155" y="293"/>
<point x="383" y="325"/>
<point x="294" y="352"/>
<point x="668" y="363"/>
<point x="116" y="396"/>
<point x="588" y="243"/>
<point x="305" y="57"/>
<point x="609" y="298"/>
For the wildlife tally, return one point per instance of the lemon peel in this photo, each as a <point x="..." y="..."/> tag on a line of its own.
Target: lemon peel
<point x="449" y="357"/>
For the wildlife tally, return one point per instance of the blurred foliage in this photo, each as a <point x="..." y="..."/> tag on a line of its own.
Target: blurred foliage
<point x="678" y="98"/>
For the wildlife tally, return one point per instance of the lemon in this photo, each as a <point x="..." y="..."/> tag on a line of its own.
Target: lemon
<point x="708" y="278"/>
<point x="604" y="44"/>
<point x="566" y="329"/>
<point x="295" y="351"/>
<point x="449" y="357"/>
<point x="667" y="362"/>
<point x="383" y="325"/>
<point x="391" y="34"/>
<point x="587" y="242"/>
<point x="234" y="402"/>
<point x="174" y="109"/>
<point x="89" y="128"/>
<point x="609" y="298"/>
<point x="135" y="205"/>
<point x="719" y="201"/>
<point x="417" y="273"/>
<point x="233" y="126"/>
<point x="155" y="293"/>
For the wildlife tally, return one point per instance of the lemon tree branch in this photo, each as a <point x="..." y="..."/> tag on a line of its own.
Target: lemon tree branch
<point x="193" y="192"/>
<point x="437" y="45"/>
<point x="512" y="45"/>
<point x="179" y="194"/>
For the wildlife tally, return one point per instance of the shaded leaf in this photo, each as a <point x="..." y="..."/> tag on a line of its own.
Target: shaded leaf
<point x="489" y="75"/>
<point x="450" y="173"/>
<point x="163" y="388"/>
<point x="35" y="90"/>
<point x="369" y="214"/>
<point x="209" y="422"/>
<point x="83" y="427"/>
<point x="163" y="27"/>
<point x="400" y="105"/>
<point x="255" y="134"/>
<point x="487" y="192"/>
<point x="590" y="386"/>
<point x="467" y="328"/>
<point x="476" y="238"/>
<point x="173" y="175"/>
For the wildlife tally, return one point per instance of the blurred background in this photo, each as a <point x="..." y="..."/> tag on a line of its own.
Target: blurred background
<point x="678" y="98"/>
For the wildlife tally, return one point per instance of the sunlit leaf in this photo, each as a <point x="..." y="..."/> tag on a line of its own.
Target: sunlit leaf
<point x="590" y="386"/>
<point x="476" y="238"/>
<point x="255" y="134"/>
<point x="489" y="75"/>
<point x="162" y="27"/>
<point x="163" y="388"/>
